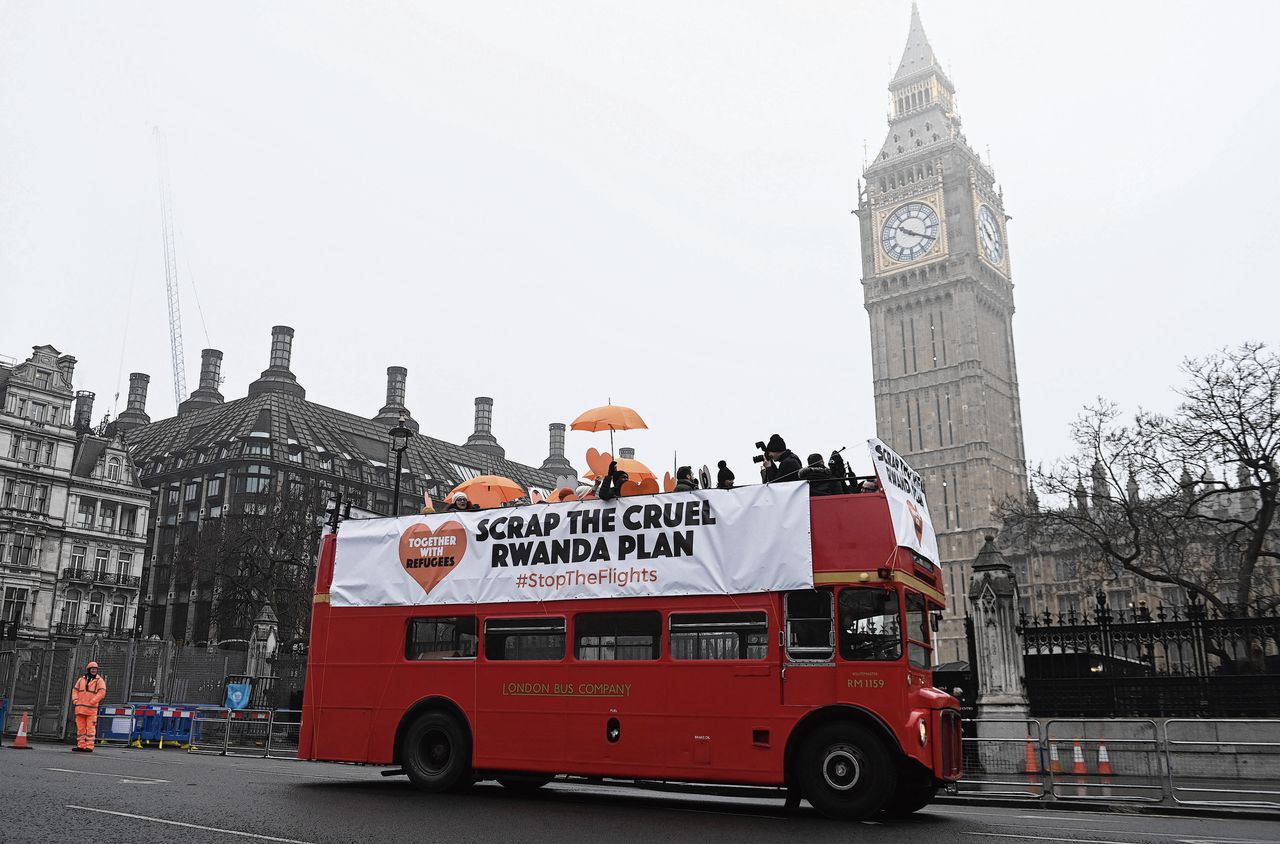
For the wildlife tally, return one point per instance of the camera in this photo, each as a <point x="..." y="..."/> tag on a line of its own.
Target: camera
<point x="759" y="458"/>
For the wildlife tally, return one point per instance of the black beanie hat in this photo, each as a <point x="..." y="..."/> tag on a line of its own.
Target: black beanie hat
<point x="776" y="443"/>
<point x="725" y="473"/>
<point x="815" y="459"/>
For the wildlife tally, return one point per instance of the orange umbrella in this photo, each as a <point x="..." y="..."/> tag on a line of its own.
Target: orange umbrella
<point x="489" y="490"/>
<point x="610" y="417"/>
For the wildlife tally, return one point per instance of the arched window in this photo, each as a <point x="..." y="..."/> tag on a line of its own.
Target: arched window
<point x="96" y="602"/>
<point x="119" y="609"/>
<point x="70" y="608"/>
<point x="113" y="469"/>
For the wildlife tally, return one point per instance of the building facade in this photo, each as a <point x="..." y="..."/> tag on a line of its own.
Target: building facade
<point x="219" y="459"/>
<point x="937" y="285"/>
<point x="73" y="514"/>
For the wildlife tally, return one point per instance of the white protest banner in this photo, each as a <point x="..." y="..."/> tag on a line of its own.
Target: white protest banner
<point x="709" y="542"/>
<point x="904" y="490"/>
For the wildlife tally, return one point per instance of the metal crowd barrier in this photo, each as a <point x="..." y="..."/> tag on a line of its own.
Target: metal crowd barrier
<point x="115" y="725"/>
<point x="1120" y="758"/>
<point x="1000" y="758"/>
<point x="1217" y="777"/>
<point x="245" y="732"/>
<point x="1194" y="762"/>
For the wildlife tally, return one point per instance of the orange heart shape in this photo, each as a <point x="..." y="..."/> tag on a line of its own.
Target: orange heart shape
<point x="668" y="482"/>
<point x="599" y="462"/>
<point x="429" y="555"/>
<point x="649" y="486"/>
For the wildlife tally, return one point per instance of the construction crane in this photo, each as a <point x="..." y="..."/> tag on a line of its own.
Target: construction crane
<point x="171" y="271"/>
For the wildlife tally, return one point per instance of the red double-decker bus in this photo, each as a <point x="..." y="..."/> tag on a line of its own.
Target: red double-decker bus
<point x="824" y="690"/>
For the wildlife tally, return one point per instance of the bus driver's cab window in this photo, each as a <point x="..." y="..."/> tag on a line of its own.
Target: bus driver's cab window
<point x="810" y="635"/>
<point x="870" y="625"/>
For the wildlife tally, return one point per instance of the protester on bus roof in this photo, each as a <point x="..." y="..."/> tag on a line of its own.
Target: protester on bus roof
<point x="819" y="477"/>
<point x="839" y="472"/>
<point x="780" y="462"/>
<point x="461" y="502"/>
<point x="86" y="695"/>
<point x="685" y="481"/>
<point x="724" y="477"/>
<point x="611" y="487"/>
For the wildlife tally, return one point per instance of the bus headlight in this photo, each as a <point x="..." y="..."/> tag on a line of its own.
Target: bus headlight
<point x="924" y="732"/>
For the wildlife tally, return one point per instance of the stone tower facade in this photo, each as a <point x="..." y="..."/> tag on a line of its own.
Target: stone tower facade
<point x="937" y="285"/>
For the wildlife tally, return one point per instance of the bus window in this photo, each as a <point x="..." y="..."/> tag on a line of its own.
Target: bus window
<point x="441" y="638"/>
<point x="719" y="635"/>
<point x="809" y="634"/>
<point x="617" y="635"/>
<point x="524" y="638"/>
<point x="917" y="631"/>
<point x="869" y="625"/>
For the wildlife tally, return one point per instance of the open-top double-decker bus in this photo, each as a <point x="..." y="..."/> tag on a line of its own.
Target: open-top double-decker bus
<point x="757" y="635"/>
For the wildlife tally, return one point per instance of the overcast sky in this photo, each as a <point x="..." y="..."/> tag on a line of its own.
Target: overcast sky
<point x="558" y="203"/>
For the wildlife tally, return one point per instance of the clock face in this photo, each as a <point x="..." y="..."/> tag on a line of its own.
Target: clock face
<point x="989" y="235"/>
<point x="910" y="231"/>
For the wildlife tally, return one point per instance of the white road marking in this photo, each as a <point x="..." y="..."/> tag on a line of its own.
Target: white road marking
<point x="1047" y="838"/>
<point x="131" y="778"/>
<point x="191" y="825"/>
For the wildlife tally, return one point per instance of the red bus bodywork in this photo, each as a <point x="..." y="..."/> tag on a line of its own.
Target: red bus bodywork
<point x="730" y="721"/>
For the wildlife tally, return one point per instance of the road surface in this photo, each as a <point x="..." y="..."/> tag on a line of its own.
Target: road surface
<point x="50" y="794"/>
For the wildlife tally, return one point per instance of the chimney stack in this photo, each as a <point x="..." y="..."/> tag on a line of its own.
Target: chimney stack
<point x="626" y="453"/>
<point x="67" y="366"/>
<point x="277" y="377"/>
<point x="135" y="415"/>
<point x="84" y="410"/>
<point x="390" y="413"/>
<point x="210" y="369"/>
<point x="556" y="462"/>
<point x="482" y="438"/>
<point x="207" y="394"/>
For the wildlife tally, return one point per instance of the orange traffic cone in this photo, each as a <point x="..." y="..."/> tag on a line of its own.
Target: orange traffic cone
<point x="1055" y="764"/>
<point x="1104" y="761"/>
<point x="1033" y="758"/>
<point x="20" y="742"/>
<point x="1077" y="761"/>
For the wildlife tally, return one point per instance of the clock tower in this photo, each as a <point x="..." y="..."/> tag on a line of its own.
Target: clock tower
<point x="937" y="285"/>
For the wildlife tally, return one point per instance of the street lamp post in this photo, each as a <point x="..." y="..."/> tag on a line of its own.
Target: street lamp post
<point x="400" y="435"/>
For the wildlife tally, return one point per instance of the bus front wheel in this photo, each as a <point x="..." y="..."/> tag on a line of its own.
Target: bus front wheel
<point x="846" y="771"/>
<point x="436" y="752"/>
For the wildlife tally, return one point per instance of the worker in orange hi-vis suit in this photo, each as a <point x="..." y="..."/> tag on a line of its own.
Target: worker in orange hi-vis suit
<point x="86" y="694"/>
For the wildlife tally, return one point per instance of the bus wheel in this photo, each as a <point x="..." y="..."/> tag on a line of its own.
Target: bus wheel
<point x="436" y="752"/>
<point x="846" y="772"/>
<point x="524" y="783"/>
<point x="908" y="800"/>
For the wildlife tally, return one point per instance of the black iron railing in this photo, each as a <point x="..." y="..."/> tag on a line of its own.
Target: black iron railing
<point x="1171" y="661"/>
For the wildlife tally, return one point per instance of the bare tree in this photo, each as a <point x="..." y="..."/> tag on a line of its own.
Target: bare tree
<point x="1188" y="499"/>
<point x="264" y="554"/>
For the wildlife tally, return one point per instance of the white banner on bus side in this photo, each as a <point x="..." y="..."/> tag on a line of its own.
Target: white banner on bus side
<point x="709" y="542"/>
<point x="905" y="493"/>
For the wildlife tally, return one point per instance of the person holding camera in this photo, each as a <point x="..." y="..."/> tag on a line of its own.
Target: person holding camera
<point x="779" y="462"/>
